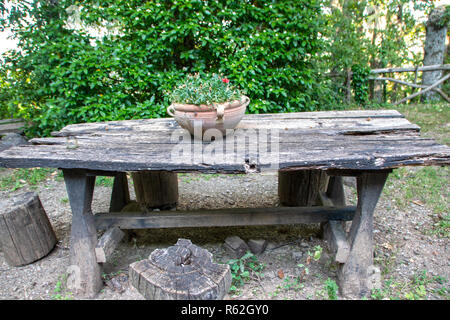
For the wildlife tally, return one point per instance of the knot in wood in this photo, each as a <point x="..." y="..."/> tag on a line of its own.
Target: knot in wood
<point x="184" y="257"/>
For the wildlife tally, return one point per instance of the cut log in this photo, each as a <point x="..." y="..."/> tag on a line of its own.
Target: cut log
<point x="107" y="244"/>
<point x="156" y="189"/>
<point x="26" y="234"/>
<point x="301" y="188"/>
<point x="181" y="272"/>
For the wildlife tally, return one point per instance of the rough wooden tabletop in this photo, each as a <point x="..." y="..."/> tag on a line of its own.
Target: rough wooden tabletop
<point x="354" y="140"/>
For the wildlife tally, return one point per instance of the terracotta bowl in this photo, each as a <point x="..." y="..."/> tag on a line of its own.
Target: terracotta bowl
<point x="199" y="119"/>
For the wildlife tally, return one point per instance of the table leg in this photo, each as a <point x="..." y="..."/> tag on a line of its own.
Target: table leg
<point x="86" y="278"/>
<point x="354" y="274"/>
<point x="335" y="191"/>
<point x="120" y="195"/>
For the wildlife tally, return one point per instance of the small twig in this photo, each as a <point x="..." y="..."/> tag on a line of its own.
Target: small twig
<point x="260" y="284"/>
<point x="285" y="244"/>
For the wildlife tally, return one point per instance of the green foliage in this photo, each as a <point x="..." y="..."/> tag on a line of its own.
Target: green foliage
<point x="61" y="292"/>
<point x="360" y="83"/>
<point x="70" y="76"/>
<point x="242" y="269"/>
<point x="20" y="178"/>
<point x="204" y="89"/>
<point x="117" y="59"/>
<point x="419" y="287"/>
<point x="332" y="289"/>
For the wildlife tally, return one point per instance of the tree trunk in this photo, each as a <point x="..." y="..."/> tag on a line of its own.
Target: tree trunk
<point x="301" y="188"/>
<point x="26" y="234"/>
<point x="156" y="189"/>
<point x="436" y="31"/>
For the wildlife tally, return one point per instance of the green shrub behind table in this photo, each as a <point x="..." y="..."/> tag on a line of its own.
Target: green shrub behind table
<point x="265" y="47"/>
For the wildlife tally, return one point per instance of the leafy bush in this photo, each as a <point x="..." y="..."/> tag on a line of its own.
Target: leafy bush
<point x="70" y="76"/>
<point x="204" y="89"/>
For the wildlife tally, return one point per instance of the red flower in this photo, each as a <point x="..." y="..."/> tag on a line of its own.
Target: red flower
<point x="225" y="80"/>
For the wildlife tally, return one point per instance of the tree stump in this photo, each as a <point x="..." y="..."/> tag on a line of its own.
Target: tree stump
<point x="26" y="234"/>
<point x="301" y="188"/>
<point x="156" y="189"/>
<point x="181" y="272"/>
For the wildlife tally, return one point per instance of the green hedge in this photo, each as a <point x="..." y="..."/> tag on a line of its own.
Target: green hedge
<point x="264" y="47"/>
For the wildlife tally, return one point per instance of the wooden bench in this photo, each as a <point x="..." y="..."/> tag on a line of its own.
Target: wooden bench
<point x="311" y="146"/>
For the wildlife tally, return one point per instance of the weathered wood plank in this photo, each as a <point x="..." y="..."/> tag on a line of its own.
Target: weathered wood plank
<point x="313" y="152"/>
<point x="164" y="131"/>
<point x="14" y="127"/>
<point x="223" y="217"/>
<point x="4" y="121"/>
<point x="107" y="244"/>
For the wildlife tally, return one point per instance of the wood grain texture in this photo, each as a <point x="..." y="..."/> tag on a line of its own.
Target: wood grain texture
<point x="181" y="272"/>
<point x="156" y="189"/>
<point x="26" y="234"/>
<point x="354" y="275"/>
<point x="301" y="188"/>
<point x="356" y="140"/>
<point x="107" y="244"/>
<point x="87" y="279"/>
<point x="223" y="217"/>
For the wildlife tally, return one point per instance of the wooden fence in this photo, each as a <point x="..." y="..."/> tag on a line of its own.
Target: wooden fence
<point x="425" y="88"/>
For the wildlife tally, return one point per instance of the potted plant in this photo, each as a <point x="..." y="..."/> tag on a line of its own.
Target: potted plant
<point x="206" y="102"/>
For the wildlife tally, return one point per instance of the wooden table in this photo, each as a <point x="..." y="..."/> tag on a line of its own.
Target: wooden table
<point x="365" y="144"/>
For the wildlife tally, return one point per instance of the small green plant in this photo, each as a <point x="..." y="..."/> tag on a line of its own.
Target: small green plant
<point x="332" y="289"/>
<point x="243" y="269"/>
<point x="204" y="89"/>
<point x="60" y="291"/>
<point x="316" y="254"/>
<point x="293" y="283"/>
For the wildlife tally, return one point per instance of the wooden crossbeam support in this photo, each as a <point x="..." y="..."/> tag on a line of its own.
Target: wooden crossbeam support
<point x="224" y="217"/>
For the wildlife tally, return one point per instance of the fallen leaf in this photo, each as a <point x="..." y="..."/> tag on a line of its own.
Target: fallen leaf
<point x="280" y="274"/>
<point x="418" y="202"/>
<point x="308" y="260"/>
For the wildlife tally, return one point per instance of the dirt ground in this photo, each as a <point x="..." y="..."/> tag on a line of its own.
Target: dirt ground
<point x="414" y="264"/>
